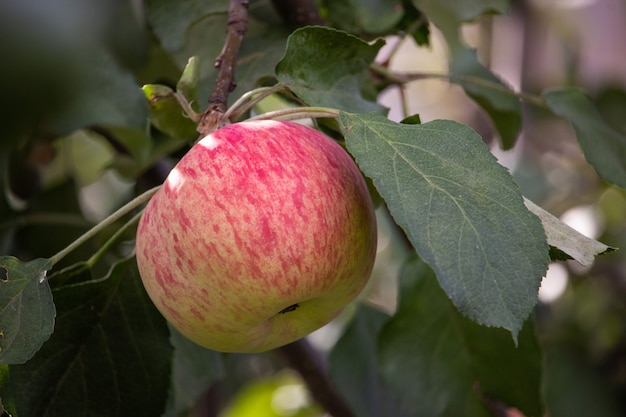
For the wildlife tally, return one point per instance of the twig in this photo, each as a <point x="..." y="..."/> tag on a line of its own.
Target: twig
<point x="402" y="78"/>
<point x="302" y="357"/>
<point x="212" y="118"/>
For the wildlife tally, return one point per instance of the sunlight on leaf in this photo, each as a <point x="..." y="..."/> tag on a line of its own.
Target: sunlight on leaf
<point x="567" y="240"/>
<point x="26" y="308"/>
<point x="461" y="210"/>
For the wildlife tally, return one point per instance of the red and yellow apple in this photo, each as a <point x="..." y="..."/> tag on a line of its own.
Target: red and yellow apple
<point x="262" y="233"/>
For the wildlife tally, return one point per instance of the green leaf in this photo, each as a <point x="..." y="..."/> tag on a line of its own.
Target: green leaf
<point x="107" y="95"/>
<point x="187" y="85"/>
<point x="603" y="146"/>
<point x="461" y="210"/>
<point x="439" y="363"/>
<point x="365" y="16"/>
<point x="110" y="352"/>
<point x="354" y="367"/>
<point x="566" y="242"/>
<point x="26" y="308"/>
<point x="166" y="113"/>
<point x="325" y="67"/>
<point x="459" y="11"/>
<point x="489" y="92"/>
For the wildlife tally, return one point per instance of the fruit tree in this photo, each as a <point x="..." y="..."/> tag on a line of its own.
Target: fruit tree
<point x="310" y="207"/>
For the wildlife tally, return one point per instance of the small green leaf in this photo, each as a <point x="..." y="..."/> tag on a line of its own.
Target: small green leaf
<point x="110" y="352"/>
<point x="603" y="146"/>
<point x="26" y="308"/>
<point x="489" y="92"/>
<point x="354" y="367"/>
<point x="461" y="210"/>
<point x="166" y="113"/>
<point x="569" y="243"/>
<point x="365" y="16"/>
<point x="325" y="67"/>
<point x="188" y="83"/>
<point x="439" y="363"/>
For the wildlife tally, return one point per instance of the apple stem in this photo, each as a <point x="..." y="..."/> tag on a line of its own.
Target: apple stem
<point x="298" y="113"/>
<point x="213" y="117"/>
<point x="118" y="214"/>
<point x="303" y="358"/>
<point x="248" y="100"/>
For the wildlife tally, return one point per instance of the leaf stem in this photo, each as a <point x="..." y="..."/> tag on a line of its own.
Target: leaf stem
<point x="298" y="113"/>
<point x="107" y="245"/>
<point x="240" y="106"/>
<point x="405" y="77"/>
<point x="131" y="205"/>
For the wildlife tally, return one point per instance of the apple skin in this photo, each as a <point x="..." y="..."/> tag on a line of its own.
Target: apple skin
<point x="262" y="233"/>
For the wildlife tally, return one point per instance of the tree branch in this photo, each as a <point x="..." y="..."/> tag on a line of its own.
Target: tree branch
<point x="212" y="119"/>
<point x="302" y="357"/>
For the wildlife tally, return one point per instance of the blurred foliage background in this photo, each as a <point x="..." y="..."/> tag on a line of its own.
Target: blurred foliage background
<point x="74" y="147"/>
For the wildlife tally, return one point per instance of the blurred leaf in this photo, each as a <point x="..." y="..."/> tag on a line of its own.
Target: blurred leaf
<point x="461" y="210"/>
<point x="325" y="67"/>
<point x="107" y="95"/>
<point x="26" y="308"/>
<point x="575" y="388"/>
<point x="439" y="363"/>
<point x="567" y="240"/>
<point x="458" y="11"/>
<point x="166" y="113"/>
<point x="603" y="146"/>
<point x="489" y="92"/>
<point x="365" y="16"/>
<point x="110" y="353"/>
<point x="194" y="370"/>
<point x="354" y="369"/>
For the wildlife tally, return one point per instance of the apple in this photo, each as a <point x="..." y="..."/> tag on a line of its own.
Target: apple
<point x="262" y="233"/>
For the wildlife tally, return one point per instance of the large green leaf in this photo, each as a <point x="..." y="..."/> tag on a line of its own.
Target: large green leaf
<point x="461" y="210"/>
<point x="603" y="146"/>
<point x="110" y="353"/>
<point x="325" y="67"/>
<point x="354" y="367"/>
<point x="439" y="363"/>
<point x="26" y="308"/>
